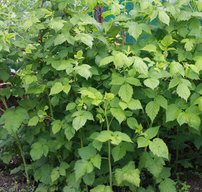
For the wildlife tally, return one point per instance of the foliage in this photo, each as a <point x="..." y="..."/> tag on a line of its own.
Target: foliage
<point x="94" y="112"/>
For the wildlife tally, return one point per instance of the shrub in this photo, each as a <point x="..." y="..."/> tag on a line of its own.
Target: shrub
<point x="96" y="113"/>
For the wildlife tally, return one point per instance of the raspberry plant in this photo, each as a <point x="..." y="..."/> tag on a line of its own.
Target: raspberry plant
<point x="94" y="113"/>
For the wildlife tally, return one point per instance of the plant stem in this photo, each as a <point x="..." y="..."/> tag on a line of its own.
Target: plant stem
<point x="50" y="107"/>
<point x="23" y="157"/>
<point x="109" y="149"/>
<point x="4" y="102"/>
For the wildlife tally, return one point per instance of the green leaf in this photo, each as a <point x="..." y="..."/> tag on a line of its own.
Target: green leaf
<point x="69" y="132"/>
<point x="176" y="68"/>
<point x="134" y="104"/>
<point x="142" y="142"/>
<point x="59" y="39"/>
<point x="106" y="60"/>
<point x="159" y="148"/>
<point x="89" y="179"/>
<point x="152" y="109"/>
<point x="133" y="81"/>
<point x="126" y="92"/>
<point x="183" y="91"/>
<point x="163" y="17"/>
<point x="117" y="137"/>
<point x="56" y="88"/>
<point x="134" y="29"/>
<point x="56" y="24"/>
<point x="152" y="163"/>
<point x="86" y="39"/>
<point x="79" y="122"/>
<point x="55" y="174"/>
<point x="56" y="126"/>
<point x="96" y="161"/>
<point x="172" y="112"/>
<point x="149" y="48"/>
<point x="167" y="185"/>
<point x="13" y="119"/>
<point x="151" y="132"/>
<point x="173" y="83"/>
<point x="118" y="152"/>
<point x="104" y="136"/>
<point x="33" y="121"/>
<point x="101" y="188"/>
<point x="84" y="71"/>
<point x="151" y="83"/>
<point x="117" y="79"/>
<point x="162" y="101"/>
<point x="38" y="150"/>
<point x="119" y="114"/>
<point x="132" y="122"/>
<point x="140" y="66"/>
<point x="182" y="118"/>
<point x="82" y="167"/>
<point x="80" y="119"/>
<point x="128" y="175"/>
<point x="87" y="152"/>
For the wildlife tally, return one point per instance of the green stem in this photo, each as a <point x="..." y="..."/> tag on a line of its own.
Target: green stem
<point x="23" y="157"/>
<point x="2" y="110"/>
<point x="4" y="102"/>
<point x="177" y="152"/>
<point x="109" y="149"/>
<point x="50" y="107"/>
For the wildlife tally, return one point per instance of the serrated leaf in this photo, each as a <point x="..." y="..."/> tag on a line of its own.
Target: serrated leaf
<point x="134" y="29"/>
<point x="117" y="137"/>
<point x="101" y="188"/>
<point x="159" y="148"/>
<point x="151" y="132"/>
<point x="172" y="112"/>
<point x="13" y="119"/>
<point x="82" y="167"/>
<point x="104" y="136"/>
<point x="33" y="121"/>
<point x="56" y="126"/>
<point x="84" y="71"/>
<point x="134" y="104"/>
<point x="163" y="17"/>
<point x="151" y="83"/>
<point x="118" y="152"/>
<point x="128" y="175"/>
<point x="126" y="92"/>
<point x="152" y="109"/>
<point x="87" y="152"/>
<point x="37" y="150"/>
<point x="55" y="174"/>
<point x="162" y="101"/>
<point x="140" y="66"/>
<point x="117" y="79"/>
<point x="69" y="132"/>
<point x="56" y="88"/>
<point x="59" y="39"/>
<point x="119" y="114"/>
<point x="167" y="185"/>
<point x="142" y="142"/>
<point x="176" y="68"/>
<point x="183" y="91"/>
<point x="79" y="122"/>
<point x="96" y="161"/>
<point x="86" y="39"/>
<point x="106" y="60"/>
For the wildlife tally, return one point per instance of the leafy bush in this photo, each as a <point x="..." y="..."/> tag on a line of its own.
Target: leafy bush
<point x="94" y="112"/>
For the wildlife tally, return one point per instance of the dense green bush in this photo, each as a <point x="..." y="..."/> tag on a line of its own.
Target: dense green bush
<point x="93" y="111"/>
